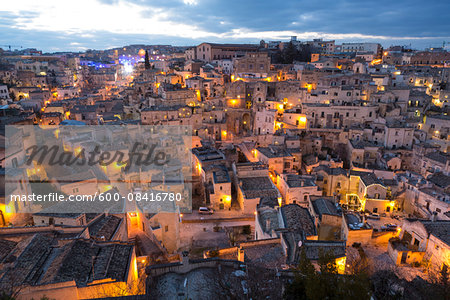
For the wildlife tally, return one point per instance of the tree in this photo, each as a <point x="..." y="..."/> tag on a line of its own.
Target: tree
<point x="305" y="270"/>
<point x="326" y="283"/>
<point x="305" y="266"/>
<point x="147" y="60"/>
<point x="327" y="263"/>
<point x="291" y="53"/>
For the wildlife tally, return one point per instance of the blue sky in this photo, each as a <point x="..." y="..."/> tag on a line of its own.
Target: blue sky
<point x="61" y="25"/>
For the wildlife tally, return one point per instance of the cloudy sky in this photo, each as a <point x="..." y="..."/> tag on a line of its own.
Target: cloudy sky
<point x="59" y="25"/>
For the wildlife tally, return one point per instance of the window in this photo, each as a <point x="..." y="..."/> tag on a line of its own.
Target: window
<point x="75" y="190"/>
<point x="166" y="228"/>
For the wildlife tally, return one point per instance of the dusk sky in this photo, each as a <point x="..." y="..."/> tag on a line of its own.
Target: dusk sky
<point x="62" y="25"/>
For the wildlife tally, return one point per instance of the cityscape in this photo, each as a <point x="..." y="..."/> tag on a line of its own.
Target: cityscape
<point x="272" y="165"/>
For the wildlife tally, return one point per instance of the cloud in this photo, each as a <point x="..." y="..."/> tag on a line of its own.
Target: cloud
<point x="242" y="33"/>
<point x="86" y="15"/>
<point x="93" y="23"/>
<point x="190" y="2"/>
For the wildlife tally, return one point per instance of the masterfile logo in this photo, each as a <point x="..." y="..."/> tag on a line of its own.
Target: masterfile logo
<point x="141" y="154"/>
<point x="96" y="169"/>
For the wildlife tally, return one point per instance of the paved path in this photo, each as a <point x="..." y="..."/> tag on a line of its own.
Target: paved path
<point x="218" y="216"/>
<point x="215" y="220"/>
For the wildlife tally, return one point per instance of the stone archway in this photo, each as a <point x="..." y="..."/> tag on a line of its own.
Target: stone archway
<point x="246" y="122"/>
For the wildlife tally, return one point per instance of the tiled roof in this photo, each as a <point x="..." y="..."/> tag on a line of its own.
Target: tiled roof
<point x="370" y="178"/>
<point x="258" y="187"/>
<point x="313" y="248"/>
<point x="440" y="180"/>
<point x="440" y="229"/>
<point x="83" y="261"/>
<point x="294" y="180"/>
<point x="297" y="218"/>
<point x="6" y="247"/>
<point x="205" y="154"/>
<point x="104" y="228"/>
<point x="331" y="171"/>
<point x="324" y="206"/>
<point x="362" y="144"/>
<point x="438" y="156"/>
<point x="272" y="152"/>
<point x="269" y="255"/>
<point x="27" y="260"/>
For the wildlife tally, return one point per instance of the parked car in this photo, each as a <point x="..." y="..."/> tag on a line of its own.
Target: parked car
<point x="389" y="227"/>
<point x="374" y="216"/>
<point x="205" y="211"/>
<point x="398" y="217"/>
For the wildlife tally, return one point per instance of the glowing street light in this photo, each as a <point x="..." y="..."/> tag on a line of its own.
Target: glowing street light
<point x="128" y="68"/>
